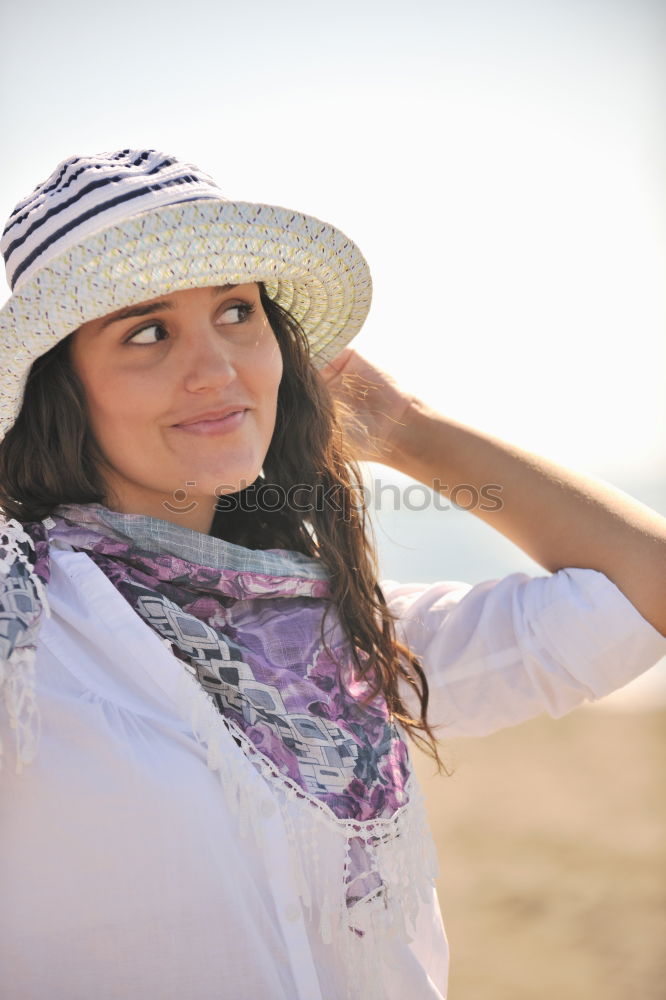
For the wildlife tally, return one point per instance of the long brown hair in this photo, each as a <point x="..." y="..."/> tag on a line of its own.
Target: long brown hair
<point x="50" y="457"/>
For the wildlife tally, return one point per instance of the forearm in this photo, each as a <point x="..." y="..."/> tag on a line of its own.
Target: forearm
<point x="558" y="517"/>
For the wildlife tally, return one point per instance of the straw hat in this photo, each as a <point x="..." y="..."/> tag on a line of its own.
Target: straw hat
<point x="111" y="230"/>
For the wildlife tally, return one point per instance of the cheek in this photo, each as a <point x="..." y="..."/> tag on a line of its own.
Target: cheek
<point x="271" y="372"/>
<point x="275" y="380"/>
<point x="119" y="406"/>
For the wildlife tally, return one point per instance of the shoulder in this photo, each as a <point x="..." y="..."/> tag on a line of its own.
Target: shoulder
<point x="16" y="543"/>
<point x="24" y="574"/>
<point x="23" y="548"/>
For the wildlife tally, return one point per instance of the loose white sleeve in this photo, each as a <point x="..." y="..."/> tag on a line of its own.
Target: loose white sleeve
<point x="503" y="651"/>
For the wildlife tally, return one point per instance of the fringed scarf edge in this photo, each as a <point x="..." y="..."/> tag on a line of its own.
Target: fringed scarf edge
<point x="17" y="662"/>
<point x="400" y="848"/>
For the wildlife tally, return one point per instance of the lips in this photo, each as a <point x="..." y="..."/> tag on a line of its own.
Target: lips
<point x="214" y="422"/>
<point x="212" y="415"/>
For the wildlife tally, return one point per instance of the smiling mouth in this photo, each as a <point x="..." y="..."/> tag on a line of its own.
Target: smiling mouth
<point x="216" y="425"/>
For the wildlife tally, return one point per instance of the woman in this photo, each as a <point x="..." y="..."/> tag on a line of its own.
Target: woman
<point x="219" y="801"/>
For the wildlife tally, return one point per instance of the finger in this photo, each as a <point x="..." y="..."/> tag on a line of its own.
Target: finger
<point x="337" y="365"/>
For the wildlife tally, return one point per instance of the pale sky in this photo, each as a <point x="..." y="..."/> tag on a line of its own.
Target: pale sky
<point x="500" y="164"/>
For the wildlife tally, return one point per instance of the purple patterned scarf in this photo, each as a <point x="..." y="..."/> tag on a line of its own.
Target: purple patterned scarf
<point x="249" y="623"/>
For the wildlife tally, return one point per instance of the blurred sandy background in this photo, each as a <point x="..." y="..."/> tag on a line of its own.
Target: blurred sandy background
<point x="553" y="858"/>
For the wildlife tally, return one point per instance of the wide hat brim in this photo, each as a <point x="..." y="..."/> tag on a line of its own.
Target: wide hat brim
<point x="309" y="267"/>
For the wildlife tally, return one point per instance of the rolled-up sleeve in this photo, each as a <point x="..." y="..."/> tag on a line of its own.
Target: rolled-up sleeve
<point x="503" y="651"/>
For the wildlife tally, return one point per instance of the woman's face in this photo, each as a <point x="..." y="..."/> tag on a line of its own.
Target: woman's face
<point x="182" y="397"/>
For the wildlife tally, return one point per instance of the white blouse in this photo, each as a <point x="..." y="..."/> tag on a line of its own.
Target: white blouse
<point x="123" y="872"/>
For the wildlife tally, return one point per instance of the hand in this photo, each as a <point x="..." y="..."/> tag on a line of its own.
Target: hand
<point x="374" y="407"/>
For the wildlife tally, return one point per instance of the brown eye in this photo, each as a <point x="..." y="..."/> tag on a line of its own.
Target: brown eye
<point x="238" y="313"/>
<point x="147" y="334"/>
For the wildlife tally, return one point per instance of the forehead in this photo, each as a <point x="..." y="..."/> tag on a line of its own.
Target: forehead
<point x="172" y="299"/>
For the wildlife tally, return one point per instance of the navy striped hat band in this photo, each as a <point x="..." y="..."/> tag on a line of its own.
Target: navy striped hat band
<point x="86" y="194"/>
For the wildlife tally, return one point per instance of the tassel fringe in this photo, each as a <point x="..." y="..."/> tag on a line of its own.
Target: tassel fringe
<point x="400" y="852"/>
<point x="397" y="854"/>
<point x="17" y="671"/>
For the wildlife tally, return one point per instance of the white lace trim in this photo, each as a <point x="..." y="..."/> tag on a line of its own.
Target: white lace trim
<point x="17" y="674"/>
<point x="399" y="849"/>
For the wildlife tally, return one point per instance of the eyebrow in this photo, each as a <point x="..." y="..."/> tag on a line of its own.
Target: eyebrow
<point x="153" y="307"/>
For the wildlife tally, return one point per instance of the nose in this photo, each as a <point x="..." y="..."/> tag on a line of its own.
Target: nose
<point x="208" y="361"/>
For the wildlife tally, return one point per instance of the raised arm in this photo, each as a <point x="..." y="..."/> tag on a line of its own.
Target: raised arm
<point x="560" y="518"/>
